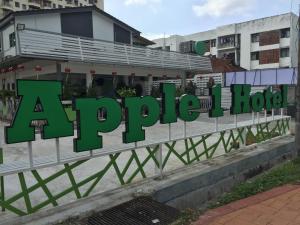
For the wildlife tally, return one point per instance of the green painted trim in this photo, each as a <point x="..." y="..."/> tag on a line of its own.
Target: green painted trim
<point x="25" y="192"/>
<point x="72" y="179"/>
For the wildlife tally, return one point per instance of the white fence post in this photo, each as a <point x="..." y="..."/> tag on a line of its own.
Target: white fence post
<point x="159" y="158"/>
<point x="57" y="149"/>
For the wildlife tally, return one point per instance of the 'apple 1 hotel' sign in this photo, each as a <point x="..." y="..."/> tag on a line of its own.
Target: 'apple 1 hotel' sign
<point x="187" y="108"/>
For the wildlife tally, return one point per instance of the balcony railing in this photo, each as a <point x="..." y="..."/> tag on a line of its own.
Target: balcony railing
<point x="41" y="44"/>
<point x="6" y="5"/>
<point x="34" y="3"/>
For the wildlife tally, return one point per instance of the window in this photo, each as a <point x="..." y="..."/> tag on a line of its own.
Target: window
<point x="77" y="23"/>
<point x="121" y="35"/>
<point x="54" y="5"/>
<point x="17" y="4"/>
<point x="254" y="38"/>
<point x="12" y="40"/>
<point x="59" y="6"/>
<point x="24" y="6"/>
<point x="8" y="86"/>
<point x="284" y="52"/>
<point x="13" y="86"/>
<point x="187" y="47"/>
<point x="285" y="33"/>
<point x="213" y="43"/>
<point x="226" y="41"/>
<point x="254" y="56"/>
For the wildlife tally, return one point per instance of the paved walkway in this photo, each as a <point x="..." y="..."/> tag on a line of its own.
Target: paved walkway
<point x="279" y="206"/>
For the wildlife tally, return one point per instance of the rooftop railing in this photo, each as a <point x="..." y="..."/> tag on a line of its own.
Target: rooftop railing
<point x="41" y="44"/>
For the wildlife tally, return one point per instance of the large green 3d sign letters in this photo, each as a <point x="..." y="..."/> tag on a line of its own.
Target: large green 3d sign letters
<point x="40" y="101"/>
<point x="244" y="102"/>
<point x="45" y="96"/>
<point x="139" y="113"/>
<point x="89" y="122"/>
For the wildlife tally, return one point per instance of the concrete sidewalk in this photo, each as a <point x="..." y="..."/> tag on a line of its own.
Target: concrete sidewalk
<point x="279" y="206"/>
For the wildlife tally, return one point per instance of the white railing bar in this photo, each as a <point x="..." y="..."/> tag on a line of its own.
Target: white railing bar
<point x="126" y="53"/>
<point x="184" y="127"/>
<point x="235" y="121"/>
<point x="80" y="48"/>
<point x="160" y="161"/>
<point x="266" y="116"/>
<point x="30" y="153"/>
<point x="170" y="134"/>
<point x="57" y="149"/>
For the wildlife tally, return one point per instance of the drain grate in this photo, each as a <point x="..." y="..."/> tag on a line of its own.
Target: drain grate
<point x="140" y="211"/>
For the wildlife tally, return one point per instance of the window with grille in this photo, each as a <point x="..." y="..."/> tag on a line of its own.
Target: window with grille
<point x="12" y="40"/>
<point x="254" y="38"/>
<point x="284" y="52"/>
<point x="285" y="33"/>
<point x="254" y="56"/>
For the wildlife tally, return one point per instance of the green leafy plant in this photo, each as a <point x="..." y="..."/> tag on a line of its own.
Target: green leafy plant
<point x="179" y="92"/>
<point x="235" y="144"/>
<point x="283" y="174"/>
<point x="155" y="92"/>
<point x="126" y="92"/>
<point x="211" y="82"/>
<point x="191" y="88"/>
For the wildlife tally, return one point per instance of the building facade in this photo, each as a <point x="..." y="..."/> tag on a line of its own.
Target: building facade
<point x="85" y="47"/>
<point x="269" y="42"/>
<point x="8" y="6"/>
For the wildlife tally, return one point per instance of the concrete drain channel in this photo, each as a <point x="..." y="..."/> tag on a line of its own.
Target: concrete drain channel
<point x="140" y="211"/>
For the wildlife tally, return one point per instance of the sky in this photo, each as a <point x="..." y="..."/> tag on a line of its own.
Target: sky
<point x="154" y="18"/>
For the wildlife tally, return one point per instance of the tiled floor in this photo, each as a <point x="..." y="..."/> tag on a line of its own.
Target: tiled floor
<point x="280" y="206"/>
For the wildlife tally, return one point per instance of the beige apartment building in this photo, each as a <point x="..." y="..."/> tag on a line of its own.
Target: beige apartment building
<point x="263" y="43"/>
<point x="8" y="6"/>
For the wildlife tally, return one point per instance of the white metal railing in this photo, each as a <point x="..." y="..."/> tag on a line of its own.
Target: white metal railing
<point x="61" y="157"/>
<point x="33" y="43"/>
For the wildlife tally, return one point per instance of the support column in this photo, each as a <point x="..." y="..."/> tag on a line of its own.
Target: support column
<point x="89" y="80"/>
<point x="149" y="84"/>
<point x="297" y="122"/>
<point x="183" y="81"/>
<point x="126" y="80"/>
<point x="59" y="76"/>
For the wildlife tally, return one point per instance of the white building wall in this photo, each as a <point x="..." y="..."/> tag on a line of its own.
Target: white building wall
<point x="103" y="28"/>
<point x="258" y="26"/>
<point x="294" y="41"/>
<point x="46" y="22"/>
<point x="245" y="30"/>
<point x="7" y="50"/>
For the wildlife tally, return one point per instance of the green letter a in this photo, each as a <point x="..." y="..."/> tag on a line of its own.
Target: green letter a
<point x="47" y="94"/>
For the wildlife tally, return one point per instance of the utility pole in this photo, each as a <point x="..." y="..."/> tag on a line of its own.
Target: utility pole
<point x="297" y="125"/>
